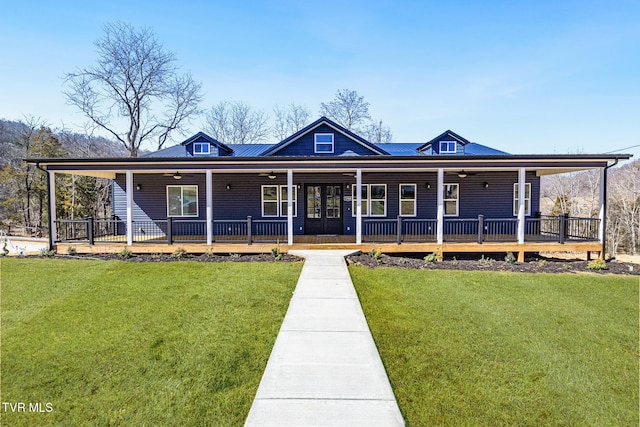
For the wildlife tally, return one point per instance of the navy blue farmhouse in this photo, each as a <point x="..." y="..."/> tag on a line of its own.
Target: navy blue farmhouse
<point x="326" y="187"/>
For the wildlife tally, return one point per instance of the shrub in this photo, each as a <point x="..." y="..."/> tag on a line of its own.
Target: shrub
<point x="209" y="253"/>
<point x="377" y="255"/>
<point x="486" y="260"/>
<point x="179" y="253"/>
<point x="597" y="264"/>
<point x="47" y="252"/>
<point x="71" y="251"/>
<point x="276" y="253"/>
<point x="510" y="258"/>
<point x="542" y="262"/>
<point x="124" y="253"/>
<point x="4" y="251"/>
<point x="432" y="257"/>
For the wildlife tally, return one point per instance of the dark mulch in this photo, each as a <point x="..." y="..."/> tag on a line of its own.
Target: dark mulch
<point x="190" y="257"/>
<point x="494" y="262"/>
<point x="469" y="262"/>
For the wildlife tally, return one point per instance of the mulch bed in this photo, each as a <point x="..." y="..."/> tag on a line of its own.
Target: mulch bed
<point x="469" y="262"/>
<point x="495" y="262"/>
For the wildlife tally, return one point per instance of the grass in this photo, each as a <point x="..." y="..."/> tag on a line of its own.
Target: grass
<point x="484" y="348"/>
<point x="115" y="343"/>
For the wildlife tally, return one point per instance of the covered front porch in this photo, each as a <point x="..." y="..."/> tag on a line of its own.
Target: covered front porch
<point x="411" y="204"/>
<point x="562" y="233"/>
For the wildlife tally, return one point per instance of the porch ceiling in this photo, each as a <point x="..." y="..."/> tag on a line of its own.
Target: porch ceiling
<point x="543" y="165"/>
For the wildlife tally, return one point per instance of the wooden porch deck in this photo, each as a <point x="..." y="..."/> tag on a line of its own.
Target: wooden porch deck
<point x="195" y="245"/>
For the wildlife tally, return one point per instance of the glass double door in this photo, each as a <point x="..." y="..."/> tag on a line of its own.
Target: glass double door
<point x="323" y="209"/>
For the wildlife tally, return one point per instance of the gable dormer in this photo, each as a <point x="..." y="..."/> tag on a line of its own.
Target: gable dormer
<point x="447" y="143"/>
<point x="324" y="137"/>
<point x="202" y="145"/>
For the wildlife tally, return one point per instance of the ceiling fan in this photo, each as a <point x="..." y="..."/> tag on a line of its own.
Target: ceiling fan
<point x="270" y="175"/>
<point x="176" y="175"/>
<point x="462" y="173"/>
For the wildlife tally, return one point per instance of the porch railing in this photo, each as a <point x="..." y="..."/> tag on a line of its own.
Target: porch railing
<point x="540" y="229"/>
<point x="170" y="231"/>
<point x="553" y="229"/>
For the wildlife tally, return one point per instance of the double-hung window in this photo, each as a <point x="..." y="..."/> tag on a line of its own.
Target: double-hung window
<point x="447" y="147"/>
<point x="274" y="200"/>
<point x="527" y="199"/>
<point x="374" y="200"/>
<point x="201" y="148"/>
<point x="182" y="200"/>
<point x="407" y="199"/>
<point x="323" y="143"/>
<point x="451" y="199"/>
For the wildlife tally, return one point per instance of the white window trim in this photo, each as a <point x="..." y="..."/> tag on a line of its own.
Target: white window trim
<point x="447" y="147"/>
<point x="364" y="200"/>
<point x="202" y="145"/>
<point x="415" y="200"/>
<point x="457" y="199"/>
<point x="316" y="142"/>
<point x="371" y="199"/>
<point x="294" y="201"/>
<point x="279" y="200"/>
<point x="527" y="190"/>
<point x="182" y="187"/>
<point x="367" y="201"/>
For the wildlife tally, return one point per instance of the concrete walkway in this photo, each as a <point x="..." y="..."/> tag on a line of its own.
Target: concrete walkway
<point x="324" y="369"/>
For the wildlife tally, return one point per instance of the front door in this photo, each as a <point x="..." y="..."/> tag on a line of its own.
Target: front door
<point x="323" y="209"/>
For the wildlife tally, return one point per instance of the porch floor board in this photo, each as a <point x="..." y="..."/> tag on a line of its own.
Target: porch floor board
<point x="197" y="245"/>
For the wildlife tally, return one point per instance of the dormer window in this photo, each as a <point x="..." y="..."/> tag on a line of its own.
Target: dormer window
<point x="200" y="148"/>
<point x="447" y="147"/>
<point x="323" y="143"/>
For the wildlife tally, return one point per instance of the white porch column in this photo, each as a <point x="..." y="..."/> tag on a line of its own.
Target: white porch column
<point x="521" y="207"/>
<point x="440" y="212"/>
<point x="290" y="207"/>
<point x="358" y="206"/>
<point x="602" y="213"/>
<point x="209" y="190"/>
<point x="129" y="192"/>
<point x="53" y="236"/>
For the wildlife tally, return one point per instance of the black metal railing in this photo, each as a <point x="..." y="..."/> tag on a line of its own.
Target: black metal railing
<point x="383" y="230"/>
<point x="553" y="229"/>
<point x="171" y="231"/>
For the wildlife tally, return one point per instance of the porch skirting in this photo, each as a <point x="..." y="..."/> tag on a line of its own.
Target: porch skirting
<point x="307" y="243"/>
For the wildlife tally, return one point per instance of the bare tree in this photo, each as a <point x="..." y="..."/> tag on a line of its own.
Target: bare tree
<point x="134" y="78"/>
<point x="377" y="133"/>
<point x="289" y="120"/>
<point x="237" y="123"/>
<point x="624" y="204"/>
<point x="347" y="109"/>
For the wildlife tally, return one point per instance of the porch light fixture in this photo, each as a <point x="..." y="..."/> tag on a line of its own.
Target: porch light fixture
<point x="485" y="184"/>
<point x="228" y="186"/>
<point x="177" y="175"/>
<point x="427" y="186"/>
<point x="271" y="175"/>
<point x="462" y="174"/>
<point x="139" y="187"/>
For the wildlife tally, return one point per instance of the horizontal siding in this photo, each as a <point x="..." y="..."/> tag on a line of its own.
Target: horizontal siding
<point x="304" y="146"/>
<point x="244" y="196"/>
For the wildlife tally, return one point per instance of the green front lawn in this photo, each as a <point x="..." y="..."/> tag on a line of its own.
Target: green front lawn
<point x="483" y="348"/>
<point x="108" y="343"/>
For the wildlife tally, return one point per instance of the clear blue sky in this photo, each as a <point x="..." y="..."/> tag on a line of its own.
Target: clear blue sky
<point x="521" y="76"/>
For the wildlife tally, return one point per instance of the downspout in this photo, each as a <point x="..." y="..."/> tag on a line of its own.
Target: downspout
<point x="604" y="202"/>
<point x="51" y="225"/>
